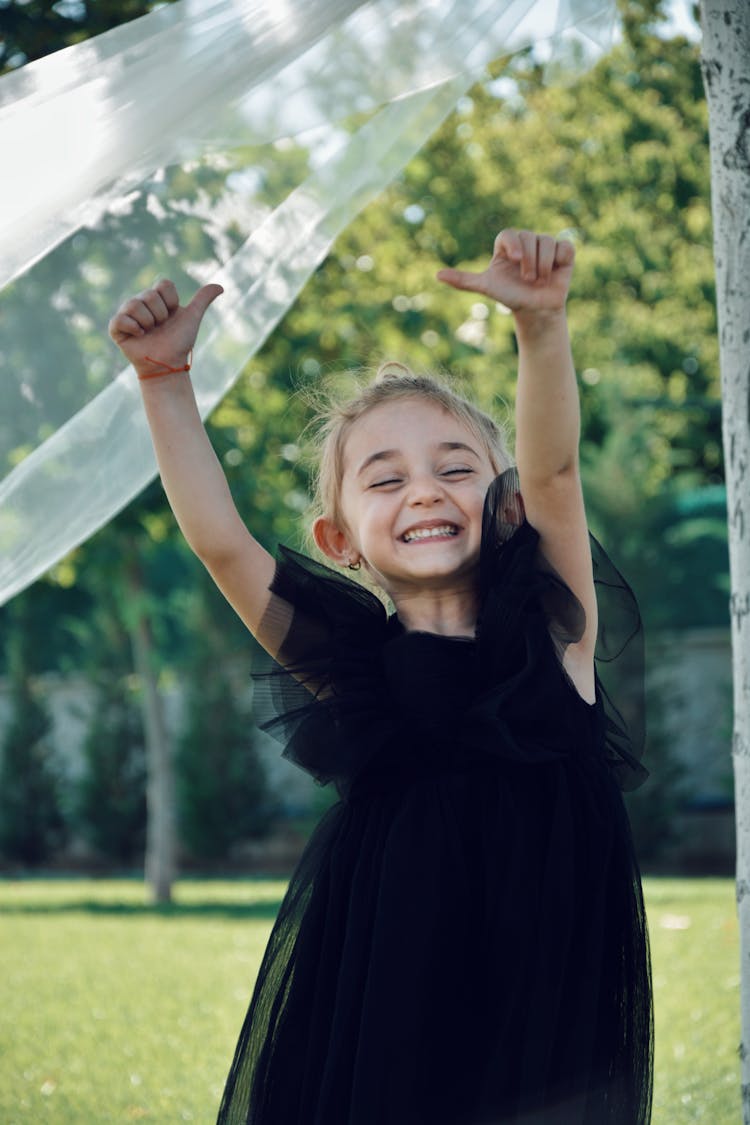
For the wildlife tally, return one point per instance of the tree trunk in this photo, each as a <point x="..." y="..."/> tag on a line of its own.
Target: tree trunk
<point x="725" y="61"/>
<point x="161" y="846"/>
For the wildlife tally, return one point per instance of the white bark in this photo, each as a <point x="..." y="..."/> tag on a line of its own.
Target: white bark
<point x="726" y="74"/>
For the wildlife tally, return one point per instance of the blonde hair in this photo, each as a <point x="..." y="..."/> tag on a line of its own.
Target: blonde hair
<point x="393" y="381"/>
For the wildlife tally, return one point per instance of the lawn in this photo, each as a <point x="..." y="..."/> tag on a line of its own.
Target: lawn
<point x="112" y="1010"/>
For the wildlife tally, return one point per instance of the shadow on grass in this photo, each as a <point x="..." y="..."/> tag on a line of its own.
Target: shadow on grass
<point x="266" y="910"/>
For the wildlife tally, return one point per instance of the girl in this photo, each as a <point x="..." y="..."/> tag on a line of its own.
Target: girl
<point x="464" y="940"/>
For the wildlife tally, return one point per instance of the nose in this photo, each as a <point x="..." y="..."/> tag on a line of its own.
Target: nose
<point x="424" y="489"/>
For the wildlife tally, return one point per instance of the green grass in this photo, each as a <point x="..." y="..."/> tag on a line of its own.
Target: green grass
<point x="696" y="971"/>
<point x="112" y="1010"/>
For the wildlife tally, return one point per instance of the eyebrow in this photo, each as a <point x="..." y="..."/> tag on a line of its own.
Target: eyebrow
<point x="385" y="454"/>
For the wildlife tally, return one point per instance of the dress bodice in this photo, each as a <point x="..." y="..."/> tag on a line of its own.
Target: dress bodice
<point x="430" y="678"/>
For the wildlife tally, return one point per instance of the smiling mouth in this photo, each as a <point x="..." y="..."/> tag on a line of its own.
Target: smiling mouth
<point x="447" y="530"/>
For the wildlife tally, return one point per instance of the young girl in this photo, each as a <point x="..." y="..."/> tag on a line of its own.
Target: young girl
<point x="464" y="940"/>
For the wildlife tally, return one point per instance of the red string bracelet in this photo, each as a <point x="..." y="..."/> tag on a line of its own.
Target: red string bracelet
<point x="165" y="368"/>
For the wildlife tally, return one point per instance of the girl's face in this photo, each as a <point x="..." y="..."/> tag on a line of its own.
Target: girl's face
<point x="412" y="495"/>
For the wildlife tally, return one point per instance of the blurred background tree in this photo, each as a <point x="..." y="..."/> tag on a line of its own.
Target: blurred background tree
<point x="108" y="806"/>
<point x="618" y="160"/>
<point x="31" y="29"/>
<point x="223" y="798"/>
<point x="31" y="822"/>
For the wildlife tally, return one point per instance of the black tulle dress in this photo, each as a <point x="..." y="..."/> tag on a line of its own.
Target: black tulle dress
<point x="464" y="940"/>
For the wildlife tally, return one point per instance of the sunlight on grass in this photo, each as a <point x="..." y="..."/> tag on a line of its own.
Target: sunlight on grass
<point x="695" y="955"/>
<point x="116" y="1011"/>
<point x="113" y="1010"/>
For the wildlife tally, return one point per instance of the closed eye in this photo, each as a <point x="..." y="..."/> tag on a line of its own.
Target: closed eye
<point x="463" y="471"/>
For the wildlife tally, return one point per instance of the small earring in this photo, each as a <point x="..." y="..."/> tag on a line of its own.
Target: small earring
<point x="355" y="565"/>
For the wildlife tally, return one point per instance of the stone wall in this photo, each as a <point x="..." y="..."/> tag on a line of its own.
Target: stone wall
<point x="690" y="683"/>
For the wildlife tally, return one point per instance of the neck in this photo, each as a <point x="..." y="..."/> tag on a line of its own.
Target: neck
<point x="447" y="613"/>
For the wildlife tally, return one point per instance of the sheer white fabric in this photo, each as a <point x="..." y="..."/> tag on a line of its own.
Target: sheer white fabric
<point x="223" y="140"/>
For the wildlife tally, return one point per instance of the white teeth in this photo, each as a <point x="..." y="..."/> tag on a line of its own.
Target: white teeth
<point x="430" y="532"/>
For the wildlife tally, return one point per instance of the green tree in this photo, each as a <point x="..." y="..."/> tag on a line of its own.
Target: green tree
<point x="109" y="805"/>
<point x="222" y="791"/>
<point x="31" y="29"/>
<point x="31" y="823"/>
<point x="619" y="159"/>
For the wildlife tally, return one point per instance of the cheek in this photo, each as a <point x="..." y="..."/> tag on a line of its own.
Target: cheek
<point x="376" y="523"/>
<point x="375" y="519"/>
<point x="365" y="522"/>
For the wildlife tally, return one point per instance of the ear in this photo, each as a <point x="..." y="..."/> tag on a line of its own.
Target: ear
<point x="333" y="542"/>
<point x="514" y="511"/>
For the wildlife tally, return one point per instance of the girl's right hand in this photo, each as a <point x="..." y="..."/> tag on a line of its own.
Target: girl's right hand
<point x="153" y="330"/>
<point x="528" y="273"/>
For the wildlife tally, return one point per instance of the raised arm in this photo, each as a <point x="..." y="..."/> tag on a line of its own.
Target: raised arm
<point x="156" y="333"/>
<point x="530" y="274"/>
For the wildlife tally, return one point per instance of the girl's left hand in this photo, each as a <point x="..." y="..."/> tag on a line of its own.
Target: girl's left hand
<point x="528" y="272"/>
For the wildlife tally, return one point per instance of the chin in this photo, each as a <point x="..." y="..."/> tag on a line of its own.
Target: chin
<point x="451" y="568"/>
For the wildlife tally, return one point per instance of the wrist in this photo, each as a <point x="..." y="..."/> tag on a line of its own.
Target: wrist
<point x="150" y="369"/>
<point x="540" y="324"/>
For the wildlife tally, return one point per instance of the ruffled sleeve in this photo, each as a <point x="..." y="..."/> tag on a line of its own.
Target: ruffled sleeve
<point x="327" y="680"/>
<point x="511" y="560"/>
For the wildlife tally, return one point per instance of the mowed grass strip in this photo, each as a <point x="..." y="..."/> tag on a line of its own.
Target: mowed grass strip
<point x="114" y="1010"/>
<point x="696" y="972"/>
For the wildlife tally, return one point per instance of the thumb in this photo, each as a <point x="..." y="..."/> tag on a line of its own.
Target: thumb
<point x="202" y="299"/>
<point x="462" y="279"/>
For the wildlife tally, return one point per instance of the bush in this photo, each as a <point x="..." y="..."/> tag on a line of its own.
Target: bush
<point x="31" y="823"/>
<point x="652" y="808"/>
<point x="110" y="800"/>
<point x="222" y="792"/>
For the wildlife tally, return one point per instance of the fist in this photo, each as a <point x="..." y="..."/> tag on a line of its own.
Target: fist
<point x="154" y="331"/>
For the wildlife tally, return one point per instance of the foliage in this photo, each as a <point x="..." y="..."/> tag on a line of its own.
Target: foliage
<point x="31" y="824"/>
<point x="652" y="808"/>
<point x="669" y="543"/>
<point x="222" y="792"/>
<point x="109" y="806"/>
<point x="110" y="810"/>
<point x="618" y="159"/>
<point x="33" y="28"/>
